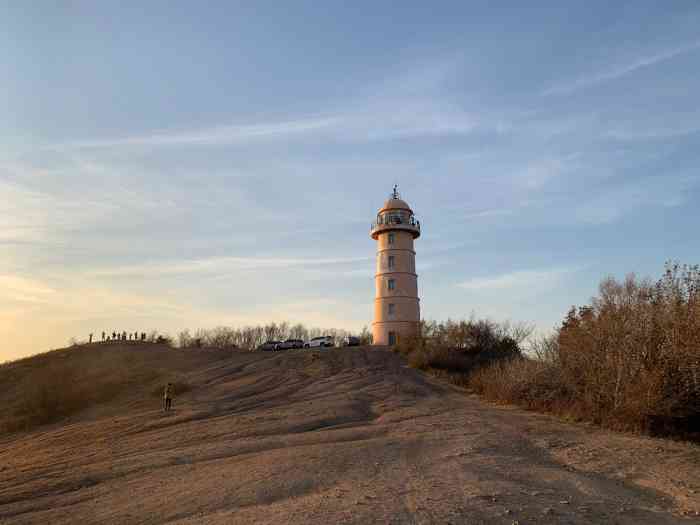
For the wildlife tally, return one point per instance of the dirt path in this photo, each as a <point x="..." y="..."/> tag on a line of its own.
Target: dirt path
<point x="346" y="436"/>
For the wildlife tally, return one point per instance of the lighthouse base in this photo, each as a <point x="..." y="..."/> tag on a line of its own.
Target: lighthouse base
<point x="390" y="333"/>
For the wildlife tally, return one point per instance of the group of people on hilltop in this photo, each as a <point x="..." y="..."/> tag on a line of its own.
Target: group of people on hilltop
<point x="169" y="390"/>
<point x="124" y="336"/>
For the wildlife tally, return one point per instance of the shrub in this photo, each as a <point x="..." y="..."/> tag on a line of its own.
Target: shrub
<point x="462" y="346"/>
<point x="629" y="360"/>
<point x="634" y="352"/>
<point x="528" y="382"/>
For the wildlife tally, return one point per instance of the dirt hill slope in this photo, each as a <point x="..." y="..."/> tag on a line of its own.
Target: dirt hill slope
<point x="339" y="436"/>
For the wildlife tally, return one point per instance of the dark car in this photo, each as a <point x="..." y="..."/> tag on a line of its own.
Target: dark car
<point x="270" y="346"/>
<point x="351" y="341"/>
<point x="291" y="343"/>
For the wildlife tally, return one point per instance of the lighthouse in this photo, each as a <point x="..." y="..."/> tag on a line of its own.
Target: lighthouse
<point x="396" y="303"/>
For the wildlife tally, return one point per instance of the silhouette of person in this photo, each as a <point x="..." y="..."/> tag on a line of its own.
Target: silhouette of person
<point x="103" y="335"/>
<point x="114" y="336"/>
<point x="167" y="396"/>
<point x="90" y="338"/>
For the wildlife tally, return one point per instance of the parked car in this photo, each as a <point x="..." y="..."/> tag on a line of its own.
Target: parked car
<point x="323" y="341"/>
<point x="270" y="346"/>
<point x="351" y="340"/>
<point x="291" y="343"/>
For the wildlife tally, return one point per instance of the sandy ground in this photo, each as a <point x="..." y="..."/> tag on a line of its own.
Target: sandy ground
<point x="341" y="436"/>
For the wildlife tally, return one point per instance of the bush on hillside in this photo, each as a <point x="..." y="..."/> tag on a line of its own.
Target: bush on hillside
<point x="463" y="346"/>
<point x="528" y="382"/>
<point x="630" y="359"/>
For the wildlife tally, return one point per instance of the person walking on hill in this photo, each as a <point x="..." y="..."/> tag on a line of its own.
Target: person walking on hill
<point x="167" y="397"/>
<point x="103" y="336"/>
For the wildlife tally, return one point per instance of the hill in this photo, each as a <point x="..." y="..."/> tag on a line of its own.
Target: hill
<point x="342" y="435"/>
<point x="49" y="387"/>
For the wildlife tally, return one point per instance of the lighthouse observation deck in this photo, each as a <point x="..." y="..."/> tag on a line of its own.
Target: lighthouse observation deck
<point x="395" y="220"/>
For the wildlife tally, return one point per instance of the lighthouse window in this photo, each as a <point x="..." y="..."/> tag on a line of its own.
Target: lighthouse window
<point x="392" y="308"/>
<point x="391" y="238"/>
<point x="391" y="284"/>
<point x="391" y="261"/>
<point x="392" y="338"/>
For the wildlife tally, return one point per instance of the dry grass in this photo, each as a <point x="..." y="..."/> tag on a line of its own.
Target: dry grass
<point x="526" y="382"/>
<point x="52" y="386"/>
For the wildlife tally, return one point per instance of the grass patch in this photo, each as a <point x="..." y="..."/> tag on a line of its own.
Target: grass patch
<point x="50" y="387"/>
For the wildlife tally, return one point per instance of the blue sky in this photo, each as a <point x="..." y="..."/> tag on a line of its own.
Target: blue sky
<point x="189" y="165"/>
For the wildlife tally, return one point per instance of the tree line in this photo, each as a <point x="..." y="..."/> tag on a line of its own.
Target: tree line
<point x="250" y="337"/>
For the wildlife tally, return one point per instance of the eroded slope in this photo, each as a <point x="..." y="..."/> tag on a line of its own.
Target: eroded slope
<point x="346" y="436"/>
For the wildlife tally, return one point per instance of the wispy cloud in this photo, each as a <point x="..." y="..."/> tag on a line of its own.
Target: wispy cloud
<point x="645" y="194"/>
<point x="518" y="279"/>
<point x="594" y="79"/>
<point x="408" y="104"/>
<point x="386" y="121"/>
<point x="27" y="215"/>
<point x="539" y="172"/>
<point x="489" y="213"/>
<point x="219" y="264"/>
<point x="21" y="289"/>
<point x="650" y="132"/>
<point x="214" y="135"/>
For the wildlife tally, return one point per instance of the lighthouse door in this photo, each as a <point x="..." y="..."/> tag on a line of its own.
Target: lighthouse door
<point x="392" y="338"/>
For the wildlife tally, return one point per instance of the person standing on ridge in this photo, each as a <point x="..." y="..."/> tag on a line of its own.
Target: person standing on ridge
<point x="167" y="397"/>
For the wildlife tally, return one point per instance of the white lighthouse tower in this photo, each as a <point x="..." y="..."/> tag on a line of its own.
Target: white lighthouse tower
<point x="396" y="303"/>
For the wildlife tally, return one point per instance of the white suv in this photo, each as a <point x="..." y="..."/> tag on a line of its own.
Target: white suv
<point x="324" y="340"/>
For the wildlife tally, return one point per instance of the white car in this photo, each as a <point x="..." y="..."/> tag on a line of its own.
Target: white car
<point x="317" y="342"/>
